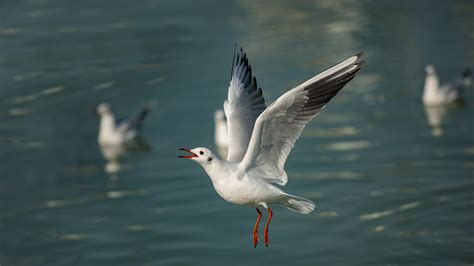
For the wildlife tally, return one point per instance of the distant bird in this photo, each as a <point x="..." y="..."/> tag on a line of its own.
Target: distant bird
<point x="434" y="94"/>
<point x="220" y="130"/>
<point x="260" y="138"/>
<point x="118" y="132"/>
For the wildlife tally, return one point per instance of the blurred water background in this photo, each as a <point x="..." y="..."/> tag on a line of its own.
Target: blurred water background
<point x="390" y="188"/>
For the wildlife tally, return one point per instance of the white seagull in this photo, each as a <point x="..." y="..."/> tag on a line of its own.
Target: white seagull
<point x="434" y="94"/>
<point x="118" y="132"/>
<point x="261" y="138"/>
<point x="220" y="130"/>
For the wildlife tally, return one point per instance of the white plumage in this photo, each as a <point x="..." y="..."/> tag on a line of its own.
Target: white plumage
<point x="436" y="94"/>
<point x="114" y="132"/>
<point x="244" y="104"/>
<point x="260" y="138"/>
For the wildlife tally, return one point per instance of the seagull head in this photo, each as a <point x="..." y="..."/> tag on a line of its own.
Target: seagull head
<point x="200" y="155"/>
<point x="103" y="108"/>
<point x="430" y="70"/>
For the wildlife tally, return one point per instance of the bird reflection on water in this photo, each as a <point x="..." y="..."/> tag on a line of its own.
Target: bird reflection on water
<point x="436" y="114"/>
<point x="114" y="154"/>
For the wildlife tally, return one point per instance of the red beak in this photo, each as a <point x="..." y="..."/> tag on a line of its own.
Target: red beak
<point x="187" y="156"/>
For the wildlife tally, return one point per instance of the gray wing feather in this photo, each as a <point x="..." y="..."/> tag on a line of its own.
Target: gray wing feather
<point x="134" y="122"/>
<point x="244" y="104"/>
<point x="280" y="125"/>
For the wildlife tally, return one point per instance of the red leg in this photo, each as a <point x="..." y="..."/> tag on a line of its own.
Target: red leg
<point x="255" y="228"/>
<point x="265" y="232"/>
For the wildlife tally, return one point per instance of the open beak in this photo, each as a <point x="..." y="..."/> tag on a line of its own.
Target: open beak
<point x="187" y="156"/>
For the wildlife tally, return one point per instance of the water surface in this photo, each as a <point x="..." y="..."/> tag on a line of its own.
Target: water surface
<point x="390" y="189"/>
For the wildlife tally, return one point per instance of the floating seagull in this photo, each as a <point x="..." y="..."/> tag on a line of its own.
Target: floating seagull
<point x="434" y="94"/>
<point x="260" y="138"/>
<point x="221" y="137"/>
<point x="113" y="132"/>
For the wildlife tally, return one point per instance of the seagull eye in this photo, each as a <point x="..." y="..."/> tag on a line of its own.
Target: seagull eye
<point x="209" y="159"/>
<point x="201" y="152"/>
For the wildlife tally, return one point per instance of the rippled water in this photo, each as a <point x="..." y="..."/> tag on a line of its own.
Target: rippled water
<point x="390" y="188"/>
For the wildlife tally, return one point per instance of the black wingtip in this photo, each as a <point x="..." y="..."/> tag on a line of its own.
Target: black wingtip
<point x="143" y="114"/>
<point x="243" y="59"/>
<point x="467" y="73"/>
<point x="233" y="61"/>
<point x="359" y="60"/>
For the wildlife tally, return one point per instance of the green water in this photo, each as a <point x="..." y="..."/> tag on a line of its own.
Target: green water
<point x="389" y="188"/>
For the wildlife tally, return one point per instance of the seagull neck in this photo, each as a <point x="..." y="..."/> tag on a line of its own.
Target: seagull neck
<point x="216" y="169"/>
<point x="107" y="122"/>
<point x="431" y="82"/>
<point x="430" y="91"/>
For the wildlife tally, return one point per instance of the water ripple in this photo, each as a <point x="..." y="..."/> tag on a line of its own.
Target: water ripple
<point x="104" y="85"/>
<point x="333" y="132"/>
<point x="342" y="175"/>
<point x="34" y="96"/>
<point x="381" y="214"/>
<point x="348" y="145"/>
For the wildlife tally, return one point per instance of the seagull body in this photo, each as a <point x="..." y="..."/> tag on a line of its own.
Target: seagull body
<point x="247" y="188"/>
<point x="436" y="94"/>
<point x="261" y="138"/>
<point x="118" y="132"/>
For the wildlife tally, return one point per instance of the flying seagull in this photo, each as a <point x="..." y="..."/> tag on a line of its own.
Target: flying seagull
<point x="434" y="94"/>
<point x="118" y="132"/>
<point x="260" y="138"/>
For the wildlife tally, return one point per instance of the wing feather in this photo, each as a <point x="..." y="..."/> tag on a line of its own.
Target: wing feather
<point x="244" y="104"/>
<point x="134" y="122"/>
<point x="280" y="125"/>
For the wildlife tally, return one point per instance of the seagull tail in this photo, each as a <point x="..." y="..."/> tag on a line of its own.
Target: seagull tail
<point x="298" y="204"/>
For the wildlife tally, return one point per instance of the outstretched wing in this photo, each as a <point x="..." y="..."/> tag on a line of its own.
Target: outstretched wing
<point x="135" y="122"/>
<point x="279" y="126"/>
<point x="454" y="89"/>
<point x="244" y="104"/>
